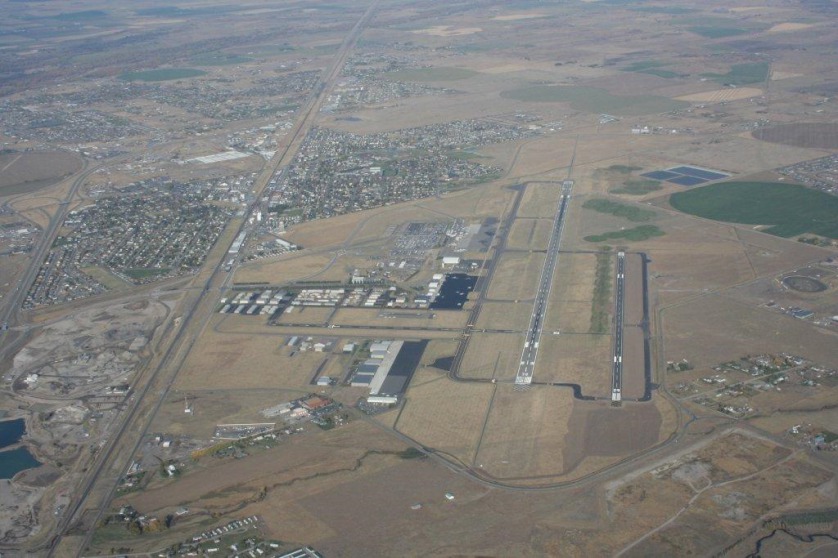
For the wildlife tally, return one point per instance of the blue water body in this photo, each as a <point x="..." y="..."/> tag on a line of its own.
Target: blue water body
<point x="11" y="431"/>
<point x="16" y="460"/>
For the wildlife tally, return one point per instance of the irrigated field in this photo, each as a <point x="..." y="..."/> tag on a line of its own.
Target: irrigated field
<point x="784" y="209"/>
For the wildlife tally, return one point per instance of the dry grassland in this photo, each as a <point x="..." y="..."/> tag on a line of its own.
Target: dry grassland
<point x="236" y="361"/>
<point x="492" y="355"/>
<point x="737" y="154"/>
<point x="722" y="95"/>
<point x="516" y="276"/>
<point x="219" y="485"/>
<point x="217" y="406"/>
<point x="537" y="157"/>
<point x="781" y="27"/>
<point x="633" y="363"/>
<point x="577" y="359"/>
<point x="298" y="315"/>
<point x="504" y="315"/>
<point x="633" y="300"/>
<point x="569" y="308"/>
<point x="291" y="267"/>
<point x="359" y="333"/>
<point x="540" y="200"/>
<point x="713" y="329"/>
<point x="437" y="349"/>
<point x="447" y="31"/>
<point x="445" y="415"/>
<point x="525" y="432"/>
<point x="529" y="234"/>
<point x="733" y="506"/>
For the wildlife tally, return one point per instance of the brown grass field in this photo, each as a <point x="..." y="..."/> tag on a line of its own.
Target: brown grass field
<point x="21" y="173"/>
<point x="504" y="315"/>
<point x="525" y="432"/>
<point x="733" y="329"/>
<point x="378" y="316"/>
<point x="571" y="296"/>
<point x="577" y="359"/>
<point x="241" y="361"/>
<point x="492" y="355"/>
<point x="290" y="267"/>
<point x="529" y="234"/>
<point x="516" y="276"/>
<point x="633" y="301"/>
<point x="540" y="200"/>
<point x="633" y="363"/>
<point x="445" y="415"/>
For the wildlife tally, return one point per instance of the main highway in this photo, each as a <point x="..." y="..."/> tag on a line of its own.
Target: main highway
<point x="619" y="303"/>
<point x="529" y="354"/>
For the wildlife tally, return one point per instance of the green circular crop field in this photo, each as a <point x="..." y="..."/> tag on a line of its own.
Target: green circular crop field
<point x="785" y="209"/>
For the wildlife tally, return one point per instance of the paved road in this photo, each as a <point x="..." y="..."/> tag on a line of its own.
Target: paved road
<point x="529" y="354"/>
<point x="619" y="302"/>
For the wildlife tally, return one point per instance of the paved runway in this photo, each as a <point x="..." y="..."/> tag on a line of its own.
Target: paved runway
<point x="619" y="299"/>
<point x="529" y="354"/>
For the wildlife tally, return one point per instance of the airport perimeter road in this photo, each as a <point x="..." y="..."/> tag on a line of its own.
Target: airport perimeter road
<point x="545" y="285"/>
<point x="619" y="303"/>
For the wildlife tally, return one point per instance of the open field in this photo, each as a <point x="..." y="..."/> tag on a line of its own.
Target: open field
<point x="722" y="95"/>
<point x="290" y="267"/>
<point x="743" y="74"/>
<point x="445" y="415"/>
<point x="810" y="134"/>
<point x="492" y="355"/>
<point x="507" y="315"/>
<point x="783" y="209"/>
<point x="529" y="234"/>
<point x="21" y="173"/>
<point x="238" y="361"/>
<point x="516" y="276"/>
<point x="591" y="99"/>
<point x="576" y="359"/>
<point x="540" y="201"/>
<point x="162" y="74"/>
<point x="431" y="74"/>
<point x="739" y="329"/>
<point x="571" y="297"/>
<point x="525" y="432"/>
